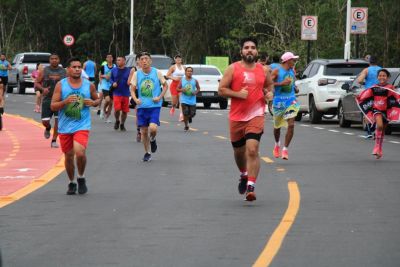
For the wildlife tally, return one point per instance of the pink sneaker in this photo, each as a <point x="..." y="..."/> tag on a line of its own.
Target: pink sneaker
<point x="375" y="151"/>
<point x="181" y="117"/>
<point x="276" y="152"/>
<point x="285" y="154"/>
<point x="37" y="109"/>
<point x="172" y="111"/>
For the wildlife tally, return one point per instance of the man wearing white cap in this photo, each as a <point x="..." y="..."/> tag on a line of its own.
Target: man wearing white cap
<point x="285" y="106"/>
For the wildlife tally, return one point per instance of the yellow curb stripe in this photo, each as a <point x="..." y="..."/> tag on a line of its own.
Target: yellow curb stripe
<point x="280" y="169"/>
<point x="194" y="129"/>
<point x="36" y="183"/>
<point x="275" y="241"/>
<point x="205" y="132"/>
<point x="267" y="160"/>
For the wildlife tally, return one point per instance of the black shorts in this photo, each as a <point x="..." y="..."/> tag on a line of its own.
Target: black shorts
<point x="4" y="81"/>
<point x="188" y="110"/>
<point x="47" y="113"/>
<point x="92" y="79"/>
<point x="106" y="93"/>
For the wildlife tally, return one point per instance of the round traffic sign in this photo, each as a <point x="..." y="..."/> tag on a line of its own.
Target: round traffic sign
<point x="68" y="40"/>
<point x="309" y="22"/>
<point x="359" y="14"/>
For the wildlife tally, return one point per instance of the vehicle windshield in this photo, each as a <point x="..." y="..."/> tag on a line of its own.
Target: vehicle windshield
<point x="35" y="58"/>
<point x="346" y="69"/>
<point x="205" y="71"/>
<point x="393" y="76"/>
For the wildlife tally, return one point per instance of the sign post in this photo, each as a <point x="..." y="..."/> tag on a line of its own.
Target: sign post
<point x="359" y="22"/>
<point x="309" y="32"/>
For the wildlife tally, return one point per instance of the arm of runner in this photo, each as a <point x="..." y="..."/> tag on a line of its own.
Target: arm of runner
<point x="131" y="75"/>
<point x="197" y="88"/>
<point x="225" y="83"/>
<point x="169" y="73"/>
<point x="275" y="72"/>
<point x="268" y="85"/>
<point x="363" y="74"/>
<point x="39" y="83"/>
<point x="133" y="87"/>
<point x="9" y="66"/>
<point x="94" y="100"/>
<point x="179" y="87"/>
<point x="164" y="87"/>
<point x="56" y="102"/>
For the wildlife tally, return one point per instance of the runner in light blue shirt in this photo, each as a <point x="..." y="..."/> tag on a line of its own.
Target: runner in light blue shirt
<point x="189" y="88"/>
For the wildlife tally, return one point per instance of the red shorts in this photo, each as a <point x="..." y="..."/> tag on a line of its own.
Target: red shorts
<point x="67" y="140"/>
<point x="173" y="86"/>
<point x="121" y="103"/>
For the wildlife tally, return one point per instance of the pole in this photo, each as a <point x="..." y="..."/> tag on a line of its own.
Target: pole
<point x="308" y="51"/>
<point x="347" y="45"/>
<point x="131" y="49"/>
<point x="357" y="46"/>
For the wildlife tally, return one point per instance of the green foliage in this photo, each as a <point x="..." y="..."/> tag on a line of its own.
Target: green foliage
<point x="194" y="28"/>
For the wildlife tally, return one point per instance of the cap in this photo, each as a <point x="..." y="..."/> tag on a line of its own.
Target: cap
<point x="288" y="56"/>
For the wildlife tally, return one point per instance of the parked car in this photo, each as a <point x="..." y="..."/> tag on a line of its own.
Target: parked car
<point x="208" y="77"/>
<point x="160" y="62"/>
<point x="348" y="111"/>
<point x="22" y="66"/>
<point x="320" y="86"/>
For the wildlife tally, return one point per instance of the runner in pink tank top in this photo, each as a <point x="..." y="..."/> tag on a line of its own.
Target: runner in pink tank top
<point x="247" y="83"/>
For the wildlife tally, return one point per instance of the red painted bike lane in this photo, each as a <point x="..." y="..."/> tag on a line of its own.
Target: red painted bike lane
<point x="27" y="161"/>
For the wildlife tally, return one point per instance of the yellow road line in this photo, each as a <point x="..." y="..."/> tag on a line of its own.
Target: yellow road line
<point x="220" y="137"/>
<point x="275" y="242"/>
<point x="267" y="160"/>
<point x="205" y="132"/>
<point x="280" y="169"/>
<point x="34" y="185"/>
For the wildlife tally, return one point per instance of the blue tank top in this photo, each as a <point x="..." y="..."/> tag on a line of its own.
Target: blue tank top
<point x="187" y="97"/>
<point x="274" y="66"/>
<point x="372" y="77"/>
<point x="106" y="84"/>
<point x="90" y="68"/>
<point x="74" y="116"/>
<point x="285" y="91"/>
<point x="148" y="86"/>
<point x="3" y="68"/>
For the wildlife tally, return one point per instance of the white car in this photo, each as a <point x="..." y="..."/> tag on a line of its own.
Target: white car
<point x="208" y="77"/>
<point x="320" y="86"/>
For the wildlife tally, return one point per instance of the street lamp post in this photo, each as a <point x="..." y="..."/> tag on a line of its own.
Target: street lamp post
<point x="131" y="46"/>
<point x="347" y="45"/>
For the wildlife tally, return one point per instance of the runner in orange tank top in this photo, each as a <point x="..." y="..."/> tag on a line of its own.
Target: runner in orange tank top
<point x="248" y="84"/>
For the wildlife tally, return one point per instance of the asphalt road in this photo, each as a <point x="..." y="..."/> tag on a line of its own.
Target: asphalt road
<point x="183" y="209"/>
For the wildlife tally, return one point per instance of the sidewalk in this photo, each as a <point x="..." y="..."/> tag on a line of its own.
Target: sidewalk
<point x="27" y="161"/>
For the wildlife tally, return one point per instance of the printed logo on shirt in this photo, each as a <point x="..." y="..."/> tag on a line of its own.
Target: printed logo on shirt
<point x="249" y="78"/>
<point x="146" y="88"/>
<point x="188" y="89"/>
<point x="73" y="110"/>
<point x="287" y="88"/>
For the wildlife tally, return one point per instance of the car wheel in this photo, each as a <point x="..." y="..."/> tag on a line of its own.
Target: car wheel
<point x="207" y="105"/>
<point x="21" y="87"/>
<point x="223" y="104"/>
<point x="342" y="120"/>
<point x="298" y="116"/>
<point x="315" y="115"/>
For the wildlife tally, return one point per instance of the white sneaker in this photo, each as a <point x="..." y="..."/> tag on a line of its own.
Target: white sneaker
<point x="108" y="120"/>
<point x="102" y="114"/>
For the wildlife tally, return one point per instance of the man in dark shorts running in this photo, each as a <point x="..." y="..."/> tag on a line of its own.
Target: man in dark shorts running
<point x="5" y="66"/>
<point x="46" y="82"/>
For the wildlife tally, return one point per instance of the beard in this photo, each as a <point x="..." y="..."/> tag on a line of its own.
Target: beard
<point x="249" y="58"/>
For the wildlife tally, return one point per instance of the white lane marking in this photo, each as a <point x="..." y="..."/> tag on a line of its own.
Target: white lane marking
<point x="348" y="133"/>
<point x="334" y="131"/>
<point x="361" y="136"/>
<point x="204" y="112"/>
<point x="319" y="128"/>
<point x="394" y="142"/>
<point x="219" y="114"/>
<point x="304" y="125"/>
<point x="30" y="103"/>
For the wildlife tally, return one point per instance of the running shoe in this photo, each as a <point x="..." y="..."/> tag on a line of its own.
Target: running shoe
<point x="138" y="137"/>
<point x="377" y="151"/>
<point x="116" y="125"/>
<point x="285" y="154"/>
<point x="180" y="116"/>
<point x="186" y="128"/>
<point x="98" y="112"/>
<point x="122" y="127"/>
<point x="242" y="186"/>
<point x="172" y="111"/>
<point x="82" y="188"/>
<point x="54" y="144"/>
<point x="147" y="157"/>
<point x="276" y="151"/>
<point x="190" y="120"/>
<point x="47" y="133"/>
<point x="153" y="145"/>
<point x="250" y="195"/>
<point x="108" y="120"/>
<point x="37" y="109"/>
<point x="102" y="114"/>
<point x="368" y="136"/>
<point x="71" y="188"/>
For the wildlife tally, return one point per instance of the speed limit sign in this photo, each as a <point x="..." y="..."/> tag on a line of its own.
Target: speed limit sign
<point x="68" y="40"/>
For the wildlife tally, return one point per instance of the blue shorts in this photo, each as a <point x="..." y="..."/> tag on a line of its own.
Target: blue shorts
<point x="146" y="116"/>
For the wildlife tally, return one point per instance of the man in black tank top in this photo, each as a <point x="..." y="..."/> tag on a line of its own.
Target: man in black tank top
<point x="46" y="82"/>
